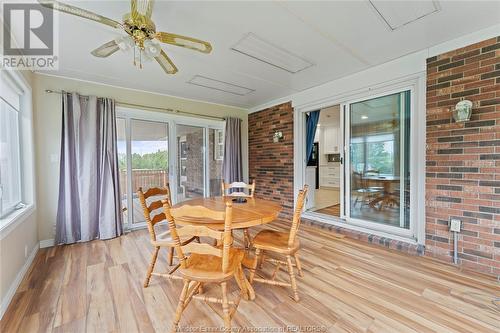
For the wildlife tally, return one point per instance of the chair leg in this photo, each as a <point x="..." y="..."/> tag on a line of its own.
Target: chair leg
<point x="247" y="240"/>
<point x="255" y="264"/>
<point x="180" y="306"/>
<point x="225" y="307"/>
<point x="261" y="259"/>
<point x="292" y="278"/>
<point x="151" y="266"/>
<point x="170" y="256"/>
<point x="298" y="264"/>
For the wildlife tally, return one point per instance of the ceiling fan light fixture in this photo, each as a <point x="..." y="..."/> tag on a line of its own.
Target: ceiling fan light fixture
<point x="125" y="42"/>
<point x="152" y="48"/>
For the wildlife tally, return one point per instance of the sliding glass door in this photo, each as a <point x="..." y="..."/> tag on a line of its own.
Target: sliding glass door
<point x="143" y="159"/>
<point x="156" y="150"/>
<point x="378" y="161"/>
<point x="190" y="162"/>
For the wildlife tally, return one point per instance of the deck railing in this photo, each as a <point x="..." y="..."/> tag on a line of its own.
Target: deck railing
<point x="144" y="178"/>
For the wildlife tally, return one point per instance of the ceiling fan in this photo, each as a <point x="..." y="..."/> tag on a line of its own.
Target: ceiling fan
<point x="141" y="34"/>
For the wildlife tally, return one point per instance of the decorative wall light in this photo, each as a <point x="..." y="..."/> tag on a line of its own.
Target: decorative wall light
<point x="462" y="111"/>
<point x="278" y="136"/>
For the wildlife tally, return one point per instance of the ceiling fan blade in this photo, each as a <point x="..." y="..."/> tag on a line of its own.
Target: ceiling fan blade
<point x="106" y="49"/>
<point x="68" y="9"/>
<point x="165" y="63"/>
<point x="183" y="41"/>
<point x="142" y="7"/>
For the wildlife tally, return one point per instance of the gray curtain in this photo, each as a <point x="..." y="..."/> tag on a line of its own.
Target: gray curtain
<point x="89" y="194"/>
<point x="232" y="168"/>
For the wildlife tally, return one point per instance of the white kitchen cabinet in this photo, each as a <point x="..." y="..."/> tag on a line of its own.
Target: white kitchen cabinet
<point x="331" y="142"/>
<point x="329" y="175"/>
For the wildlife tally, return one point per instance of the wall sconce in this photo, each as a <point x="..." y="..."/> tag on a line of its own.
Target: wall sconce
<point x="278" y="136"/>
<point x="462" y="111"/>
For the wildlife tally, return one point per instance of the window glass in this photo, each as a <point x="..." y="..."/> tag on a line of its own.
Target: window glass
<point x="10" y="165"/>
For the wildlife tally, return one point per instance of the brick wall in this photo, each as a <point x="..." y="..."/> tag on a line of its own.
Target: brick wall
<point x="270" y="163"/>
<point x="463" y="159"/>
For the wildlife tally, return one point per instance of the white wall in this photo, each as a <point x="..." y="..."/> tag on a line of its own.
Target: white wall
<point x="47" y="120"/>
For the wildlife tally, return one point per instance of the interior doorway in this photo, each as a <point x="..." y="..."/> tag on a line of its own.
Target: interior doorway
<point x="323" y="170"/>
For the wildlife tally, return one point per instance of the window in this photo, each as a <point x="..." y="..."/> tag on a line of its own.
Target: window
<point x="10" y="155"/>
<point x="374" y="152"/>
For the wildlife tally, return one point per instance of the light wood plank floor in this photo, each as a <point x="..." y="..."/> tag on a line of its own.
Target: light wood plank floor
<point x="348" y="286"/>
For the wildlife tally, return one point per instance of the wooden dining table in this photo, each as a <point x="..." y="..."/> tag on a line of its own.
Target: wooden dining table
<point x="253" y="212"/>
<point x="386" y="197"/>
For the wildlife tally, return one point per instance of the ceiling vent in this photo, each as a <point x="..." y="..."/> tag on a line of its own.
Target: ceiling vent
<point x="255" y="47"/>
<point x="206" y="82"/>
<point x="400" y="13"/>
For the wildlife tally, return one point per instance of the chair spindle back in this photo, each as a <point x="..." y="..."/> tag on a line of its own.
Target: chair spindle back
<point x="193" y="213"/>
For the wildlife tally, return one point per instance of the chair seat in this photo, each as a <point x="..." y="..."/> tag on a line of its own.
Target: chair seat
<point x="276" y="241"/>
<point x="165" y="239"/>
<point x="208" y="268"/>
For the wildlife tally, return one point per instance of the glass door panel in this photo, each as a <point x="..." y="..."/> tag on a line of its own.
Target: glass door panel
<point x="190" y="162"/>
<point x="379" y="150"/>
<point x="148" y="160"/>
<point x="215" y="156"/>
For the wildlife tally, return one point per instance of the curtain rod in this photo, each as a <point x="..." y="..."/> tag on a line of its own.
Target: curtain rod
<point x="153" y="108"/>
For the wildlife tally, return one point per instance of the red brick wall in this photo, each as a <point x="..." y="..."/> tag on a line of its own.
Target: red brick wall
<point x="463" y="159"/>
<point x="270" y="163"/>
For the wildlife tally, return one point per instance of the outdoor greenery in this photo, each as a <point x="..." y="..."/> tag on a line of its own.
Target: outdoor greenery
<point x="154" y="161"/>
<point x="377" y="157"/>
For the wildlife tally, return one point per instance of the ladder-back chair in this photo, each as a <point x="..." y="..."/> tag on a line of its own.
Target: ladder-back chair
<point x="250" y="188"/>
<point x="282" y="243"/>
<point x="158" y="240"/>
<point x="206" y="263"/>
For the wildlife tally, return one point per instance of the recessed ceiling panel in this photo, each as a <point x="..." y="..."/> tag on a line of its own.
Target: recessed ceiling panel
<point x="260" y="49"/>
<point x="399" y="13"/>
<point x="219" y="85"/>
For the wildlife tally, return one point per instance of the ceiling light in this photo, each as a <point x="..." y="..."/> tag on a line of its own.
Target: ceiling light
<point x="399" y="13"/>
<point x="206" y="82"/>
<point x="257" y="48"/>
<point x="364" y="117"/>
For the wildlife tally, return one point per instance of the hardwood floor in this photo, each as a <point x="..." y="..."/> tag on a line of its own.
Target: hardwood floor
<point x="348" y="286"/>
<point x="331" y="210"/>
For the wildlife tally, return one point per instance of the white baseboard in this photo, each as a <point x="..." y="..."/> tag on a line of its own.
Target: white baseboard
<point x="46" y="243"/>
<point x="17" y="281"/>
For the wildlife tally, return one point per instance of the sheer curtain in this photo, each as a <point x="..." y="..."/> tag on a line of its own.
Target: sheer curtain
<point x="89" y="195"/>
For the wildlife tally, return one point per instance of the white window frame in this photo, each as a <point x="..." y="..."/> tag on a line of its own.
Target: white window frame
<point x="415" y="82"/>
<point x="172" y="120"/>
<point x="26" y="152"/>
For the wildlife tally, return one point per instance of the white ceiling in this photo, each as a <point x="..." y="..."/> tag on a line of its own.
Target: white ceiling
<point x="338" y="37"/>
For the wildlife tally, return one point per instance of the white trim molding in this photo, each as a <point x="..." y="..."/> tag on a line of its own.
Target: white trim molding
<point x="47" y="243"/>
<point x="17" y="281"/>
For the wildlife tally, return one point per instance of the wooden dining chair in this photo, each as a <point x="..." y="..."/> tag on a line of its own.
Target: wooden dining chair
<point x="250" y="188"/>
<point x="282" y="243"/>
<point x="161" y="240"/>
<point x="206" y="263"/>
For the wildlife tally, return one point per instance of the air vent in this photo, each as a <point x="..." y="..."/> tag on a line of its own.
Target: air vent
<point x="255" y="47"/>
<point x="206" y="82"/>
<point x="400" y="13"/>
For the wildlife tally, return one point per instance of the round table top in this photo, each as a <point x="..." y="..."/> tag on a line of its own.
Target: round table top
<point x="251" y="213"/>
